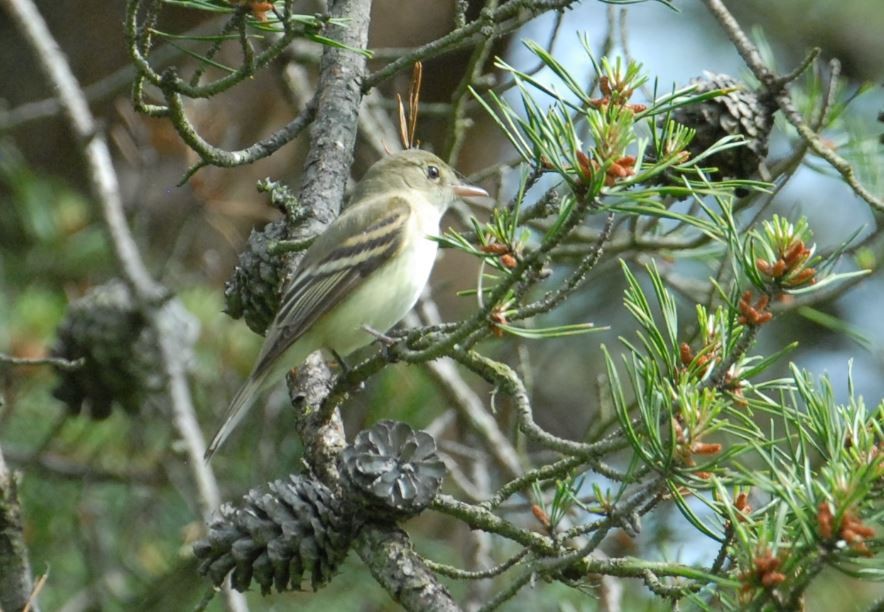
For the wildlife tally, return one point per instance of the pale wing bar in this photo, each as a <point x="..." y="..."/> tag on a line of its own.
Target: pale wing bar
<point x="321" y="286"/>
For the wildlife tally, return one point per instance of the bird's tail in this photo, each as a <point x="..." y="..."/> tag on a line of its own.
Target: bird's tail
<point x="238" y="408"/>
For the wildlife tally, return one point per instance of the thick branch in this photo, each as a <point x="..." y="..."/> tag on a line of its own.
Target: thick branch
<point x="385" y="549"/>
<point x="106" y="190"/>
<point x="392" y="561"/>
<point x="338" y="96"/>
<point x="15" y="571"/>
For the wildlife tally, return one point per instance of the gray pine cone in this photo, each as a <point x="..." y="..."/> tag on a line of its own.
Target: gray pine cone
<point x="254" y="289"/>
<point x="277" y="535"/>
<point x="740" y="112"/>
<point x="253" y="292"/>
<point x="122" y="361"/>
<point x="392" y="469"/>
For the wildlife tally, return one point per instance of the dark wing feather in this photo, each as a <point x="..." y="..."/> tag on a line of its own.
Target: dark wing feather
<point x="333" y="267"/>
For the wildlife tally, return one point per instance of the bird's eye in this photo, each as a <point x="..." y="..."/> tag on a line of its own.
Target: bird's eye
<point x="433" y="173"/>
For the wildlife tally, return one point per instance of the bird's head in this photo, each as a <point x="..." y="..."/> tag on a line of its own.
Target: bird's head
<point x="419" y="171"/>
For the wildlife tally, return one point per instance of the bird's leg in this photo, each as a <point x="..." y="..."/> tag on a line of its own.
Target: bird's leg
<point x="341" y="363"/>
<point x="386" y="342"/>
<point x="382" y="338"/>
<point x="345" y="369"/>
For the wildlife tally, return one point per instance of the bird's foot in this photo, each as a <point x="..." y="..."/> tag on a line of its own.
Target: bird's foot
<point x="345" y="369"/>
<point x="387" y="343"/>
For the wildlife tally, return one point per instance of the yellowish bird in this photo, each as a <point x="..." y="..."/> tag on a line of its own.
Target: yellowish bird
<point x="367" y="269"/>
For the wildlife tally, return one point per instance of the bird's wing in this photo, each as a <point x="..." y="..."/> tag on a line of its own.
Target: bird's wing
<point x="329" y="272"/>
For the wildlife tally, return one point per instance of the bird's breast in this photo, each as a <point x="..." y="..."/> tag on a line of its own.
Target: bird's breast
<point x="387" y="295"/>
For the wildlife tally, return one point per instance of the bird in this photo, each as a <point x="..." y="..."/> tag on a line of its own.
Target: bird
<point x="362" y="274"/>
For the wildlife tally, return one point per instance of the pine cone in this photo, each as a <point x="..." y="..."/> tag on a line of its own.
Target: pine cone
<point x="741" y="112"/>
<point x="254" y="289"/>
<point x="391" y="468"/>
<point x="276" y="536"/>
<point x="122" y="361"/>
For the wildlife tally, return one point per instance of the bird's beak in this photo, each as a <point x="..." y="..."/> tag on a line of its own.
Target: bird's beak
<point x="469" y="191"/>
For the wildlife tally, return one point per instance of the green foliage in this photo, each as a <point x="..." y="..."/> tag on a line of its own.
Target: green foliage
<point x="261" y="19"/>
<point x="688" y="433"/>
<point x="31" y="231"/>
<point x="816" y="471"/>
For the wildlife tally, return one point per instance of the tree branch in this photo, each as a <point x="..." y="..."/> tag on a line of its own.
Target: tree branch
<point x="101" y="89"/>
<point x="519" y="11"/>
<point x="15" y="570"/>
<point x="384" y="549"/>
<point x="775" y="86"/>
<point x="147" y="292"/>
<point x="338" y="97"/>
<point x="392" y="561"/>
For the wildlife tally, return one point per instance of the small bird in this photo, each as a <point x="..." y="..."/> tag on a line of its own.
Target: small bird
<point x="366" y="270"/>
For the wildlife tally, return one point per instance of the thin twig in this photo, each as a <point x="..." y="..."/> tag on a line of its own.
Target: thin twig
<point x="480" y="518"/>
<point x="59" y="466"/>
<point x="468" y="404"/>
<point x="454" y="572"/>
<point x="800" y="68"/>
<point x="147" y="292"/>
<point x="775" y="87"/>
<point x="101" y="89"/>
<point x="515" y="13"/>
<point x="67" y="365"/>
<point x="457" y="122"/>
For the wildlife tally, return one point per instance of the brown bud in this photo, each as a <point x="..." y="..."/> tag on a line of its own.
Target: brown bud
<point x="856" y="527"/>
<point x="705" y="448"/>
<point x="498" y="317"/>
<point x="772" y="579"/>
<point x="850" y="536"/>
<point x="794" y="252"/>
<point x="687" y="355"/>
<point x="824" y="520"/>
<point x="585" y="163"/>
<point x="494" y="248"/>
<point x="766" y="562"/>
<point x="605" y="85"/>
<point x="618" y="171"/>
<point x="763" y="318"/>
<point x="763" y="267"/>
<point x="508" y="261"/>
<point x="742" y="503"/>
<point x="541" y="515"/>
<point x="861" y="548"/>
<point x="801" y="278"/>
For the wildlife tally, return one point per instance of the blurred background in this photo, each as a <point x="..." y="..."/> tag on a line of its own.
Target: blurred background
<point x="86" y="483"/>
